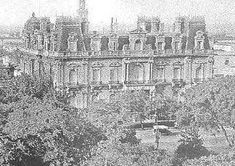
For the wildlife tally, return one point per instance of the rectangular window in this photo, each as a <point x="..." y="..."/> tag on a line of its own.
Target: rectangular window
<point x="176" y="73"/>
<point x="114" y="74"/>
<point x="176" y="46"/>
<point x="72" y="46"/>
<point x="159" y="45"/>
<point x="160" y="73"/>
<point x="96" y="75"/>
<point x="32" y="66"/>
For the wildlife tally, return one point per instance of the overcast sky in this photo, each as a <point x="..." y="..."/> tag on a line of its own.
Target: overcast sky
<point x="216" y="11"/>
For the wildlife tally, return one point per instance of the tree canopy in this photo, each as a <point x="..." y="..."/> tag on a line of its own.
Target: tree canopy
<point x="211" y="106"/>
<point x="37" y="129"/>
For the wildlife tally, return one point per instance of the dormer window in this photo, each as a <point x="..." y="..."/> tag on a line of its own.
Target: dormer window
<point x="72" y="42"/>
<point x="138" y="45"/>
<point x="199" y="40"/>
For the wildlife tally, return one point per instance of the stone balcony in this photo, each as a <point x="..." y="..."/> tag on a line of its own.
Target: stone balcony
<point x="135" y="82"/>
<point x="105" y="54"/>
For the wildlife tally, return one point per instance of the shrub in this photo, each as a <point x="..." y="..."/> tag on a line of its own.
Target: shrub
<point x="191" y="147"/>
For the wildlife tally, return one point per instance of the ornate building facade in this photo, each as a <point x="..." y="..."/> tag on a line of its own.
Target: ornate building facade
<point x="92" y="66"/>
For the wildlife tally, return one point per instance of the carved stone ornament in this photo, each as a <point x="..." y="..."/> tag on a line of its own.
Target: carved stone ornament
<point x="97" y="65"/>
<point x="115" y="64"/>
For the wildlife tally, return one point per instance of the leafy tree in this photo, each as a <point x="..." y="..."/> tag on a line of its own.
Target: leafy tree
<point x="37" y="129"/>
<point x="25" y="85"/>
<point x="211" y="105"/>
<point x="137" y="103"/>
<point x="112" y="119"/>
<point x="163" y="107"/>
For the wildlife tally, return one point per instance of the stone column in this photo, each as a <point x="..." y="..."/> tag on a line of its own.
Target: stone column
<point x="127" y="71"/>
<point x="150" y="72"/>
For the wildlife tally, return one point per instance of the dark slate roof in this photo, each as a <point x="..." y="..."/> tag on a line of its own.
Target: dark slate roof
<point x="64" y="34"/>
<point x="193" y="28"/>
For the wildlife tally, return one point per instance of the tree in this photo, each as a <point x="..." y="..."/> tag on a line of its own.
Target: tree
<point x="25" y="85"/>
<point x="41" y="130"/>
<point x="37" y="129"/>
<point x="112" y="118"/>
<point x="191" y="146"/>
<point x="211" y="105"/>
<point x="137" y="103"/>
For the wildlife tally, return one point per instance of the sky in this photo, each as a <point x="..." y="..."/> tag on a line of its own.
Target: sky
<point x="16" y="12"/>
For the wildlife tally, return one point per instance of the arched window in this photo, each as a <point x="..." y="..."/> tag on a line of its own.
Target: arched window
<point x="137" y="45"/>
<point x="72" y="77"/>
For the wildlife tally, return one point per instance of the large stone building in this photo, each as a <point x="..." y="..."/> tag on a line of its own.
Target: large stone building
<point x="93" y="66"/>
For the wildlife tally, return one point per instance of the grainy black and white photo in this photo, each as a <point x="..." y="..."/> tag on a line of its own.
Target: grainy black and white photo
<point x="117" y="82"/>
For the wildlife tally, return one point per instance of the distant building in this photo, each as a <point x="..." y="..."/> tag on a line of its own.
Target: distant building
<point x="92" y="66"/>
<point x="224" y="49"/>
<point x="6" y="70"/>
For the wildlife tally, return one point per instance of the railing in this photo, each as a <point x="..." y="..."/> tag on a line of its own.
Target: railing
<point x="96" y="83"/>
<point x="177" y="81"/>
<point x="134" y="82"/>
<point x="158" y="81"/>
<point x="114" y="82"/>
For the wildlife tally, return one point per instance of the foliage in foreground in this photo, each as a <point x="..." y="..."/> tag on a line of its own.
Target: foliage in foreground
<point x="191" y="147"/>
<point x="118" y="154"/>
<point x="36" y="129"/>
<point x="213" y="160"/>
<point x="211" y="106"/>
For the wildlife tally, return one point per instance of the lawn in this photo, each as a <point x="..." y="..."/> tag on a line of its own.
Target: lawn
<point x="214" y="143"/>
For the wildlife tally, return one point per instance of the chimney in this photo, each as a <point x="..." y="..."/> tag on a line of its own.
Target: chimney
<point x="112" y="26"/>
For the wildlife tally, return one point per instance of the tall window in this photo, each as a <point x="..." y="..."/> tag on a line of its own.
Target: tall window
<point x="160" y="73"/>
<point x="72" y="46"/>
<point x="199" y="73"/>
<point x="176" y="46"/>
<point x="72" y="77"/>
<point x="176" y="73"/>
<point x="199" y="45"/>
<point x="137" y="72"/>
<point x="138" y="45"/>
<point x="96" y="75"/>
<point x="159" y="46"/>
<point x="114" y="74"/>
<point x="32" y="66"/>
